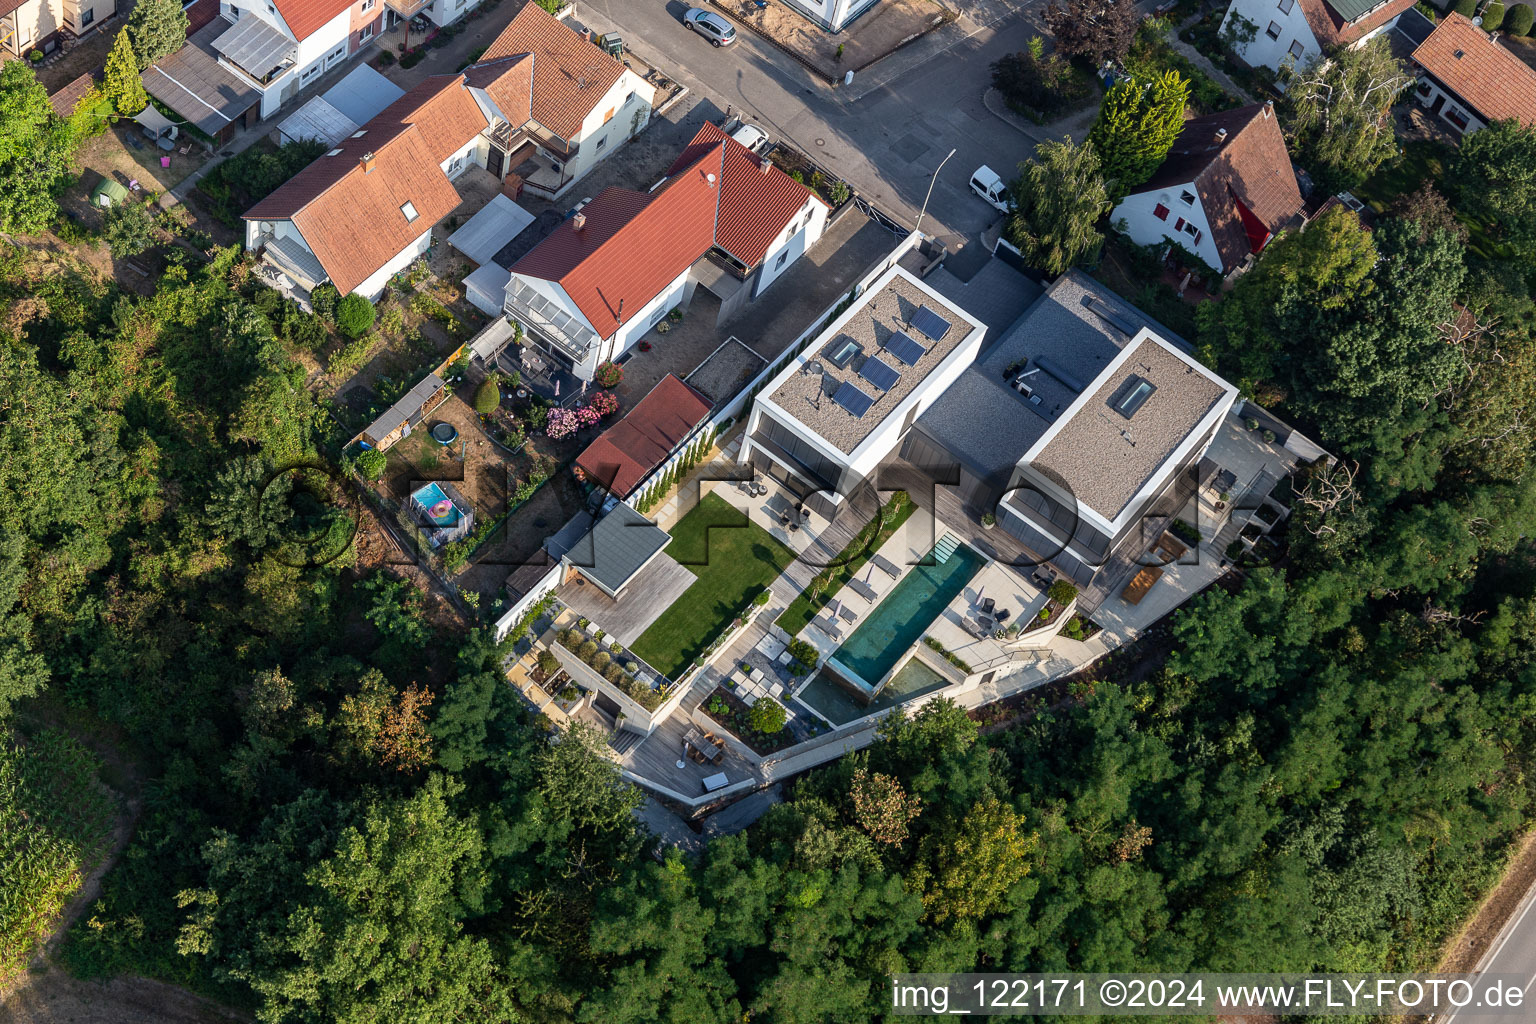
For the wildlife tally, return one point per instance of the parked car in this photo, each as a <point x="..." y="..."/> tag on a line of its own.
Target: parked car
<point x="710" y="25"/>
<point x="990" y="187"/>
<point x="751" y="136"/>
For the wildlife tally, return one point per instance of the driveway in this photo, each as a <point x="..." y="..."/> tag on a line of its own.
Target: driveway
<point x="885" y="135"/>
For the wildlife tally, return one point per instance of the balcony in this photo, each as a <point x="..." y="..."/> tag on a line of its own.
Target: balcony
<point x="257" y="50"/>
<point x="553" y="323"/>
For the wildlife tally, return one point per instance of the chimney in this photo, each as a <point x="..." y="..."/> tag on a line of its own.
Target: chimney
<point x="765" y="165"/>
<point x="368" y="162"/>
<point x="578" y="222"/>
<point x="1221" y="136"/>
<point x="1269" y="107"/>
<point x="620" y="317"/>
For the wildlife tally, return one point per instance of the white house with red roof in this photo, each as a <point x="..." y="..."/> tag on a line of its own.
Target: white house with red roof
<point x="722" y="217"/>
<point x="1291" y="33"/>
<point x="1224" y="190"/>
<point x="280" y="46"/>
<point x="366" y="209"/>
<point x="1468" y="78"/>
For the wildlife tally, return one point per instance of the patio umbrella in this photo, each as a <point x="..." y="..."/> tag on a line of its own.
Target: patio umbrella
<point x="557" y="387"/>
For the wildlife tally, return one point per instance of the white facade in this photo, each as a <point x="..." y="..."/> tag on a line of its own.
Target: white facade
<point x="373" y="287"/>
<point x="607" y="126"/>
<point x="327" y="47"/>
<point x="446" y="12"/>
<point x="1282" y="37"/>
<point x="832" y="14"/>
<point x="615" y="345"/>
<point x="880" y="442"/>
<point x="1174" y="213"/>
<point x="793" y="242"/>
<point x="1451" y="109"/>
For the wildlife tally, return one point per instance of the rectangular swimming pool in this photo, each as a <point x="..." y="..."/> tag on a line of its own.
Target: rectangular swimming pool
<point x="904" y="615"/>
<point x="439" y="507"/>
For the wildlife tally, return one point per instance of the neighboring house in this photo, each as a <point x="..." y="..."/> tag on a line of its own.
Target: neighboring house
<point x="1467" y="78"/>
<point x="627" y="452"/>
<point x="1224" y="190"/>
<point x="585" y="103"/>
<point x="834" y="15"/>
<point x="69" y="96"/>
<point x="244" y="59"/>
<point x="1291" y="33"/>
<point x="722" y="217"/>
<point x="365" y="210"/>
<point x="844" y="404"/>
<point x="27" y="25"/>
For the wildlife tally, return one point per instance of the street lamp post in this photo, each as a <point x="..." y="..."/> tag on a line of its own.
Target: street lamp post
<point x="931" y="180"/>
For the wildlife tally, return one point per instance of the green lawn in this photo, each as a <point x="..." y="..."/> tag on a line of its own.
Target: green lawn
<point x="733" y="559"/>
<point x="849" y="561"/>
<point x="1425" y="160"/>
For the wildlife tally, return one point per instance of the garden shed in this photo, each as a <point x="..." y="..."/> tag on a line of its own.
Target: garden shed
<point x="398" y="419"/>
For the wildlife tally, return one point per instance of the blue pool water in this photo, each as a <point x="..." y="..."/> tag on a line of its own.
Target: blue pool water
<point x="906" y="613"/>
<point x="429" y="496"/>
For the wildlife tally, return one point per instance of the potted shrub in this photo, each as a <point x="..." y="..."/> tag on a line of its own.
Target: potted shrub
<point x="988" y="520"/>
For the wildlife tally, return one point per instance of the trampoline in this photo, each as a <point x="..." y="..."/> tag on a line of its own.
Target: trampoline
<point x="444" y="433"/>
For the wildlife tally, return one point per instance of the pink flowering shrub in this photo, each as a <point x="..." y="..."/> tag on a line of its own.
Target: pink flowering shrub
<point x="587" y="416"/>
<point x="561" y="423"/>
<point x="604" y="403"/>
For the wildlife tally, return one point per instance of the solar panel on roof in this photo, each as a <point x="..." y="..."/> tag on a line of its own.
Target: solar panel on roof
<point x="879" y="374"/>
<point x="904" y="348"/>
<point x="851" y="398"/>
<point x="930" y="323"/>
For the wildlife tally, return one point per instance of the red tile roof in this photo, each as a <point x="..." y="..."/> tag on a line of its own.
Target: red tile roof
<point x="626" y="452"/>
<point x="1496" y="83"/>
<point x="65" y="100"/>
<point x="570" y="75"/>
<point x="1333" y="31"/>
<point x="305" y="17"/>
<point x="201" y="13"/>
<point x="632" y="244"/>
<point x="755" y="204"/>
<point x="1249" y="171"/>
<point x="351" y="218"/>
<point x="508" y="81"/>
<point x="443" y="109"/>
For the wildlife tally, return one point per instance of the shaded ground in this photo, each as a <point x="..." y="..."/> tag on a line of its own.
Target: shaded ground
<point x="124" y="153"/>
<point x="89" y="54"/>
<point x="54" y="997"/>
<point x="1464" y="950"/>
<point x="887" y="27"/>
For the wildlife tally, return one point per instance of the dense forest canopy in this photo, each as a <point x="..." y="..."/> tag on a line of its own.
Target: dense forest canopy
<point x="350" y="817"/>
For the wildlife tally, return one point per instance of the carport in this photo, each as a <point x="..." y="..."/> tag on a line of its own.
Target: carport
<point x="497" y="223"/>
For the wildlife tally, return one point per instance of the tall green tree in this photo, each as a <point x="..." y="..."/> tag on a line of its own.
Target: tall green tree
<point x="1137" y="125"/>
<point x="1495" y="179"/>
<point x="1338" y="113"/>
<point x="1059" y="197"/>
<point x="121" y="83"/>
<point x="36" y="148"/>
<point x="158" y="29"/>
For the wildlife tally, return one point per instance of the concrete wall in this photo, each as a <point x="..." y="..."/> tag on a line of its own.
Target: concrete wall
<point x="1145" y="228"/>
<point x="521" y="607"/>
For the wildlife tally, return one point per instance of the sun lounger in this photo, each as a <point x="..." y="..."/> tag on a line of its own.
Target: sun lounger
<point x="847" y="614"/>
<point x="885" y="567"/>
<point x="829" y="627"/>
<point x="861" y="588"/>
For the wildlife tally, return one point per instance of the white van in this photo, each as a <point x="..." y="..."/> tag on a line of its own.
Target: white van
<point x="990" y="187"/>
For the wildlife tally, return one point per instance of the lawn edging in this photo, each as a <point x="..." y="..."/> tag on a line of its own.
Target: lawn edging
<point x="847" y="564"/>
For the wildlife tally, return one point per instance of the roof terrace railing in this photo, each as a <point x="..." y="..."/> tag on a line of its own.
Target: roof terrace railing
<point x="557" y="325"/>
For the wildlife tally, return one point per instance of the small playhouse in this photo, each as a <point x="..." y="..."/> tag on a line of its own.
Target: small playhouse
<point x="443" y="512"/>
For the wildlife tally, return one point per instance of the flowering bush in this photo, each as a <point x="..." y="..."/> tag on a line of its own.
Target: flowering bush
<point x="587" y="416"/>
<point x="604" y="403"/>
<point x="561" y="423"/>
<point x="609" y="375"/>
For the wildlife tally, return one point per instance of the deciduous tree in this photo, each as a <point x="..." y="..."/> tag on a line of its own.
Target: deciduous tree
<point x="1338" y="113"/>
<point x="1058" y="200"/>
<point x="1097" y="29"/>
<point x="36" y="149"/>
<point x="1496" y="181"/>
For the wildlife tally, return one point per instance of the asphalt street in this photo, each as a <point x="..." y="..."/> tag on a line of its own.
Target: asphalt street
<point x="887" y="142"/>
<point x="1513" y="953"/>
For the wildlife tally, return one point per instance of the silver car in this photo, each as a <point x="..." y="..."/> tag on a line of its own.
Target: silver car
<point x="710" y="25"/>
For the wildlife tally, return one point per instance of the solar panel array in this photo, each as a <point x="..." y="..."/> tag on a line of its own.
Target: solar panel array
<point x="879" y="373"/>
<point x="904" y="348"/>
<point x="930" y="323"/>
<point x="851" y="398"/>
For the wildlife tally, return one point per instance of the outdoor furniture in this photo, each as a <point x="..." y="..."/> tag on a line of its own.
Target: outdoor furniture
<point x="184" y="150"/>
<point x="785" y="658"/>
<point x="885" y="567"/>
<point x="829" y="627"/>
<point x="1002" y="615"/>
<point x="714" y="782"/>
<point x="987" y="605"/>
<point x="776" y="690"/>
<point x="748" y="697"/>
<point x="794" y="527"/>
<point x="695" y="755"/>
<point x="847" y="614"/>
<point x="757" y="676"/>
<point x="165" y="162"/>
<point x="1141" y="583"/>
<point x="861" y="588"/>
<point x="165" y="144"/>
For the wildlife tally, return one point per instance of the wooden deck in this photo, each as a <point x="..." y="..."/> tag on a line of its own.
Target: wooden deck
<point x="639" y="604"/>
